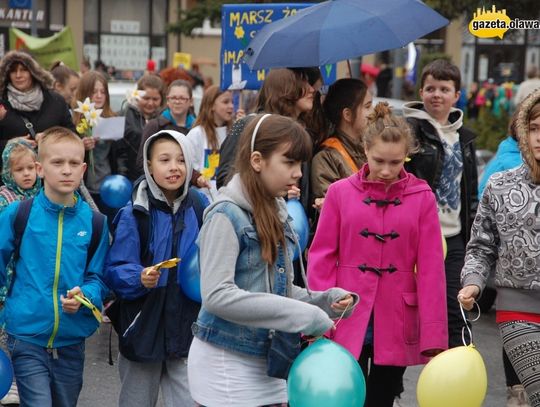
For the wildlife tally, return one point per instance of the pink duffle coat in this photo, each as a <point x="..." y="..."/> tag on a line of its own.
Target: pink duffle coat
<point x="385" y="245"/>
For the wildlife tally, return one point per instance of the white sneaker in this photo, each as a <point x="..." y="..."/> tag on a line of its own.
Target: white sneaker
<point x="516" y="396"/>
<point x="12" y="397"/>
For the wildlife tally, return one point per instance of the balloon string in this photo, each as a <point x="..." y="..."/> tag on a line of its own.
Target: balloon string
<point x="466" y="321"/>
<point x="311" y="339"/>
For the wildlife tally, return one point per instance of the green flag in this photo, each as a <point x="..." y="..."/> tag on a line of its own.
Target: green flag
<point x="59" y="47"/>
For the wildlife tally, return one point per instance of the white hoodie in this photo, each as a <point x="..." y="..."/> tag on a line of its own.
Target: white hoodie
<point x="448" y="191"/>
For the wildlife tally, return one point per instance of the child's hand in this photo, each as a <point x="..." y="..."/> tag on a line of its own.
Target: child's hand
<point x="89" y="143"/>
<point x="69" y="304"/>
<point x="202" y="182"/>
<point x="343" y="304"/>
<point x="240" y="113"/>
<point x="293" y="193"/>
<point x="3" y="111"/>
<point x="467" y="296"/>
<point x="150" y="277"/>
<point x="318" y="203"/>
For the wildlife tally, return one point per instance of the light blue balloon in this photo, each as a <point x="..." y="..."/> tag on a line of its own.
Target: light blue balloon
<point x="115" y="190"/>
<point x="189" y="276"/>
<point x="6" y="374"/>
<point x="326" y="374"/>
<point x="300" y="224"/>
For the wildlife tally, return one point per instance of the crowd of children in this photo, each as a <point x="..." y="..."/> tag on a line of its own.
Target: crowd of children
<point x="383" y="193"/>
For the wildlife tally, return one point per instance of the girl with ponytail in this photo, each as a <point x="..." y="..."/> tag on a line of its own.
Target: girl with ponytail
<point x="248" y="297"/>
<point x="379" y="236"/>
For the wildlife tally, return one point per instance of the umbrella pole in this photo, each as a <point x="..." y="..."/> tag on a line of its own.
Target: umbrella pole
<point x="349" y="67"/>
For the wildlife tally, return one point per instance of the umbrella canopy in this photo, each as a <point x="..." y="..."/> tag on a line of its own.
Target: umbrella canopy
<point x="336" y="30"/>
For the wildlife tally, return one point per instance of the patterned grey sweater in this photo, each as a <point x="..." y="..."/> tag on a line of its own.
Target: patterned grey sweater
<point x="506" y="234"/>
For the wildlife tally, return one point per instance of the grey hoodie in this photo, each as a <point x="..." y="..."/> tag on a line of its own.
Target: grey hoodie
<point x="449" y="188"/>
<point x="307" y="312"/>
<point x="140" y="196"/>
<point x="505" y="235"/>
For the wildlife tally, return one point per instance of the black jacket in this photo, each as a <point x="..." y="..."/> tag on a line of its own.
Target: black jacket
<point x="54" y="111"/>
<point x="427" y="164"/>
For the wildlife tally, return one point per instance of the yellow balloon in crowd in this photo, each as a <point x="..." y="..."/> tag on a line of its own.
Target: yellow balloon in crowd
<point x="454" y="378"/>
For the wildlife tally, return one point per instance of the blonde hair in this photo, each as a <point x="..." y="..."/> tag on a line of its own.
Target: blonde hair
<point x="20" y="150"/>
<point x="382" y="124"/>
<point x="57" y="135"/>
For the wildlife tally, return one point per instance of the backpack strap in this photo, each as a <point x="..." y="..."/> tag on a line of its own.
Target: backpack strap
<point x="144" y="230"/>
<point x="198" y="205"/>
<point x="336" y="144"/>
<point x="98" y="222"/>
<point x="19" y="225"/>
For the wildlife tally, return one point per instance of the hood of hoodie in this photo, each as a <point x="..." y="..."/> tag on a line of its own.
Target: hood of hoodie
<point x="235" y="192"/>
<point x="417" y="111"/>
<point x="140" y="193"/>
<point x="7" y="176"/>
<point x="40" y="75"/>
<point x="522" y="128"/>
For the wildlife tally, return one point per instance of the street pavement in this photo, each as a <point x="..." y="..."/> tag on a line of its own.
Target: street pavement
<point x="101" y="383"/>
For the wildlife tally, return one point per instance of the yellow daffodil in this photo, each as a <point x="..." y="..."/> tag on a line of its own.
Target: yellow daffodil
<point x="134" y="95"/>
<point x="93" y="116"/>
<point x="84" y="107"/>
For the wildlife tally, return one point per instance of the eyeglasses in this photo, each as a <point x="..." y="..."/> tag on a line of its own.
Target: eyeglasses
<point x="182" y="99"/>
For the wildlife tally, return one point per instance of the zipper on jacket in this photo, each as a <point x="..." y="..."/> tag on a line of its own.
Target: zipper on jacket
<point x="56" y="278"/>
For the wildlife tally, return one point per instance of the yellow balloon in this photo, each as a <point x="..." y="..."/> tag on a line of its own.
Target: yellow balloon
<point x="454" y="378"/>
<point x="444" y="246"/>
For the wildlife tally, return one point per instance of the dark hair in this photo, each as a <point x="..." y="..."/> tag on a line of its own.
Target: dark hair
<point x="382" y="124"/>
<point x="343" y="94"/>
<point x="442" y="70"/>
<point x="280" y="91"/>
<point x="311" y="74"/>
<point x="62" y="72"/>
<point x="162" y="136"/>
<point x="273" y="133"/>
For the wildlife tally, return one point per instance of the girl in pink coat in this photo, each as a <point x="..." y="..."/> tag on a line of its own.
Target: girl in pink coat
<point x="379" y="236"/>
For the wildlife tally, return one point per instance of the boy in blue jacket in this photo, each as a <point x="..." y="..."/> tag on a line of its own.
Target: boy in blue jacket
<point x="45" y="323"/>
<point x="154" y="315"/>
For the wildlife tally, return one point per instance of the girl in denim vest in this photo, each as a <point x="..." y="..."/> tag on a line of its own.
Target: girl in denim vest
<point x="246" y="250"/>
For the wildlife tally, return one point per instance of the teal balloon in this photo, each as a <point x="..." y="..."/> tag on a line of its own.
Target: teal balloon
<point x="115" y="190"/>
<point x="326" y="374"/>
<point x="299" y="223"/>
<point x="6" y="374"/>
<point x="189" y="277"/>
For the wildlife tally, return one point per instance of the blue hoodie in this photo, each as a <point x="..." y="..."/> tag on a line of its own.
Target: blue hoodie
<point x="508" y="156"/>
<point x="52" y="260"/>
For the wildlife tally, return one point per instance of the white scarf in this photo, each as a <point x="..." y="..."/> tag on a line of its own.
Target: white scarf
<point x="28" y="101"/>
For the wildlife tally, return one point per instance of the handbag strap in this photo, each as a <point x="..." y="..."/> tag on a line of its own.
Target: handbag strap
<point x="29" y="126"/>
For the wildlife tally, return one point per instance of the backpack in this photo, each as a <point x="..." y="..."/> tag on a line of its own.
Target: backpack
<point x="21" y="220"/>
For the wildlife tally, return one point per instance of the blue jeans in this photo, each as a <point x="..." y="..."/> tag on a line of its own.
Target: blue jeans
<point x="46" y="378"/>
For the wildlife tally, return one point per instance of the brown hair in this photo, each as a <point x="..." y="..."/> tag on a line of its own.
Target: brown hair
<point x="183" y="84"/>
<point x="382" y="124"/>
<point x="280" y="91"/>
<point x="86" y="89"/>
<point x="56" y="135"/>
<point x="205" y="119"/>
<point x="62" y="72"/>
<point x="152" y="81"/>
<point x="273" y="133"/>
<point x="442" y="70"/>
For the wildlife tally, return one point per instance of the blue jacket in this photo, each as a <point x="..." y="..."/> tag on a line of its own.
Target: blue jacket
<point x="173" y="231"/>
<point x="508" y="156"/>
<point x="52" y="260"/>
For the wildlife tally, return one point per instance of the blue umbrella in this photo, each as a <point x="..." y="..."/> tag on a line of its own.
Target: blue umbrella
<point x="336" y="30"/>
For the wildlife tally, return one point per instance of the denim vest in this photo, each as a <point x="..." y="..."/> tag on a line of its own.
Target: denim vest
<point x="250" y="275"/>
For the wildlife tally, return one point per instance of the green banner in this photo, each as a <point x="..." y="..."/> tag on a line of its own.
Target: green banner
<point x="59" y="47"/>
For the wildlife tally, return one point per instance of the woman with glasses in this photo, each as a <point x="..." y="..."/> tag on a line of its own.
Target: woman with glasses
<point x="178" y="115"/>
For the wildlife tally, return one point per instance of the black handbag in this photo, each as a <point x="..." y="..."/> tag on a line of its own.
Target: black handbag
<point x="283" y="350"/>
